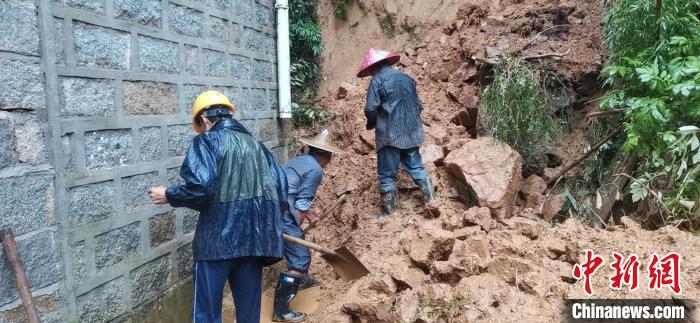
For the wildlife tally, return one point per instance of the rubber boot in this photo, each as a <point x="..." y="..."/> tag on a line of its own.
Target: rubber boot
<point x="286" y="290"/>
<point x="308" y="282"/>
<point x="389" y="203"/>
<point x="426" y="187"/>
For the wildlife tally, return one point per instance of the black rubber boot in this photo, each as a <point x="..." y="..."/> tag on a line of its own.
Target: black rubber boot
<point x="389" y="203"/>
<point x="308" y="282"/>
<point x="426" y="187"/>
<point x="286" y="290"/>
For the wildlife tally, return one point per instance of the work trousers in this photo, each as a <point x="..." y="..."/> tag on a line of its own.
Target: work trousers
<point x="298" y="257"/>
<point x="244" y="276"/>
<point x="388" y="159"/>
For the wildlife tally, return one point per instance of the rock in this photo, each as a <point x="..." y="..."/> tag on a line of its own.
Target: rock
<point x="342" y="92"/>
<point x="529" y="228"/>
<point x="431" y="153"/>
<point x="363" y="302"/>
<point x="398" y="268"/>
<point x="533" y="185"/>
<point x="490" y="171"/>
<point x="551" y="206"/>
<point x="440" y="75"/>
<point x="439" y="134"/>
<point x="382" y="283"/>
<point x="549" y="174"/>
<point x="629" y="223"/>
<point x="453" y="221"/>
<point x="480" y="216"/>
<point x="492" y="52"/>
<point x="495" y="21"/>
<point x="466" y="232"/>
<point x="447" y="272"/>
<point x="481" y="292"/>
<point x="507" y="268"/>
<point x="409" y="51"/>
<point x="430" y="244"/>
<point x="407" y="307"/>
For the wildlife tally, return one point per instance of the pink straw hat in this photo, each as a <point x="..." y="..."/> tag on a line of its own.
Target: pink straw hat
<point x="374" y="56"/>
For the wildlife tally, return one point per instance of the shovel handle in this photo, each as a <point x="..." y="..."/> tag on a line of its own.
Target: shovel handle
<point x="309" y="244"/>
<point x="340" y="201"/>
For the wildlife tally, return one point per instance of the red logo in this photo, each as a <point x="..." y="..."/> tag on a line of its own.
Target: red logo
<point x="665" y="272"/>
<point x="626" y="273"/>
<point x="592" y="264"/>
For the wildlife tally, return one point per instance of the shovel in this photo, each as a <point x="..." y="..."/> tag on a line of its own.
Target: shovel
<point x="342" y="260"/>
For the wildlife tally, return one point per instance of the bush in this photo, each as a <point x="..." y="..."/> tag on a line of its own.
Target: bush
<point x="305" y="48"/>
<point x="514" y="110"/>
<point x="655" y="80"/>
<point x="307" y="115"/>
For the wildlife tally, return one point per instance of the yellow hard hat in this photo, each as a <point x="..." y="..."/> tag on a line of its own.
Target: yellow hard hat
<point x="205" y="100"/>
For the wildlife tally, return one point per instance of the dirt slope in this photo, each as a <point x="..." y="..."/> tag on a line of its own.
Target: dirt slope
<point x="449" y="262"/>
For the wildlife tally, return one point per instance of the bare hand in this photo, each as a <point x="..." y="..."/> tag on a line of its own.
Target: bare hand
<point x="157" y="195"/>
<point x="309" y="216"/>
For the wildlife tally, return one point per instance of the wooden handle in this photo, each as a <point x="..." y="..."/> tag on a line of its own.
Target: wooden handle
<point x="308" y="244"/>
<point x="340" y="201"/>
<point x="7" y="238"/>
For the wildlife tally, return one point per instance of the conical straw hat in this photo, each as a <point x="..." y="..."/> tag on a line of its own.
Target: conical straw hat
<point x="375" y="56"/>
<point x="322" y="141"/>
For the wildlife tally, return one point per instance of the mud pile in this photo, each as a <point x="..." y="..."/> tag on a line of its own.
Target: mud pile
<point x="488" y="249"/>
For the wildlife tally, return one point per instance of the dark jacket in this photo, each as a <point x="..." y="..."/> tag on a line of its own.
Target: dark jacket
<point x="393" y="108"/>
<point x="240" y="192"/>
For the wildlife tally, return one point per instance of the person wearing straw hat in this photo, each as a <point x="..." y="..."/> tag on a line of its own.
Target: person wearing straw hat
<point x="304" y="174"/>
<point x="241" y="193"/>
<point x="393" y="109"/>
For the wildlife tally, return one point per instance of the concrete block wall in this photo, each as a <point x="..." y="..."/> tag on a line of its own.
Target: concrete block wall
<point x="95" y="102"/>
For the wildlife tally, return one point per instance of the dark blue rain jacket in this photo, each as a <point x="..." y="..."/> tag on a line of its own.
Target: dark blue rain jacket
<point x="240" y="192"/>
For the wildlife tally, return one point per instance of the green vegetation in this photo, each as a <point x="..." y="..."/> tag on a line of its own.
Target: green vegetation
<point x="514" y="110"/>
<point x="305" y="48"/>
<point x="341" y="9"/>
<point x="655" y="84"/>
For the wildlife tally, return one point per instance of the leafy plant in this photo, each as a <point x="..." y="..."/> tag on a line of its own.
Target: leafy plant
<point x="655" y="80"/>
<point x="514" y="110"/>
<point x="307" y="115"/>
<point x="389" y="26"/>
<point x="306" y="46"/>
<point x="341" y="9"/>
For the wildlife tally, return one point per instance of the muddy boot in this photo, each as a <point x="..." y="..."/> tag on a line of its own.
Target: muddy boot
<point x="308" y="282"/>
<point x="389" y="203"/>
<point x="426" y="187"/>
<point x="286" y="290"/>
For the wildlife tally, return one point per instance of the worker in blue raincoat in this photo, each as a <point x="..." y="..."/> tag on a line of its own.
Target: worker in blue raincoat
<point x="304" y="174"/>
<point x="393" y="109"/>
<point x="241" y="193"/>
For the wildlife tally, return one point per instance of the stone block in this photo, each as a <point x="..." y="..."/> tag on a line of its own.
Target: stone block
<point x="161" y="228"/>
<point x="41" y="261"/>
<point x="263" y="15"/>
<point x="105" y="148"/>
<point x="191" y="91"/>
<point x="114" y="246"/>
<point x="134" y="189"/>
<point x="244" y="11"/>
<point x="157" y="55"/>
<point x="273" y="98"/>
<point x="68" y="152"/>
<point x="21" y="85"/>
<point x="101" y="47"/>
<point x="18" y="22"/>
<point x="185" y="20"/>
<point x="79" y="262"/>
<point x="82" y="97"/>
<point x="235" y="34"/>
<point x="213" y="63"/>
<point x="103" y="303"/>
<point x="174" y="178"/>
<point x="224" y="4"/>
<point x="27" y="202"/>
<point x="150" y="143"/>
<point x="268" y="130"/>
<point x="29" y="142"/>
<point x="59" y="41"/>
<point x="7" y="153"/>
<point x="49" y="308"/>
<point x="262" y="71"/>
<point x="258" y="99"/>
<point x="145" y="12"/>
<point x="97" y="6"/>
<point x="270" y="44"/>
<point x="150" y="279"/>
<point x="189" y="219"/>
<point x="179" y="138"/>
<point x="84" y="207"/>
<point x="191" y="59"/>
<point x="184" y="261"/>
<point x="239" y="67"/>
<point x="253" y="40"/>
<point x="219" y="30"/>
<point x="149" y="98"/>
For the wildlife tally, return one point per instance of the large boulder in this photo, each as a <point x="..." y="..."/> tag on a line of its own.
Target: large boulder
<point x="490" y="173"/>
